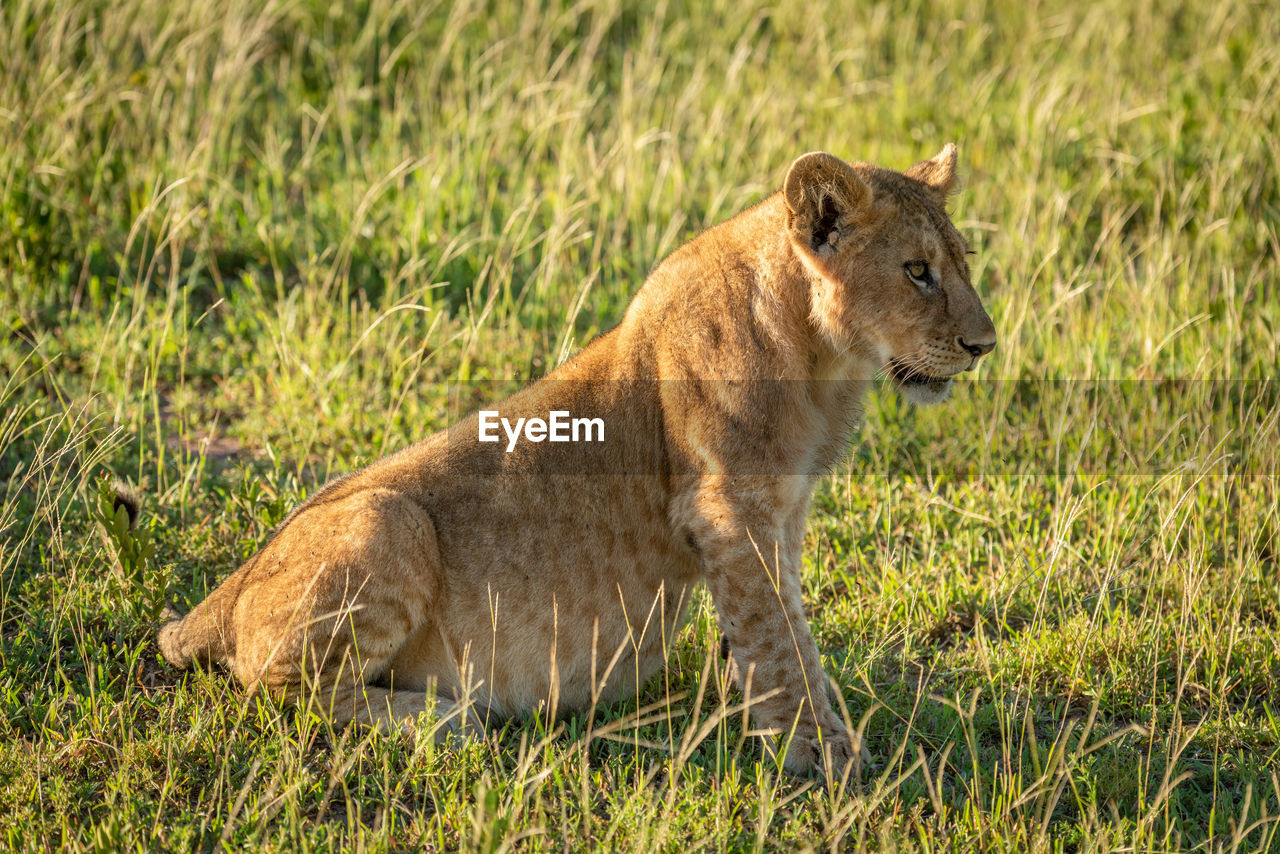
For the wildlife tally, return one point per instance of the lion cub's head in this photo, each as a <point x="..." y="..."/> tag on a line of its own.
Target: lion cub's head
<point x="891" y="280"/>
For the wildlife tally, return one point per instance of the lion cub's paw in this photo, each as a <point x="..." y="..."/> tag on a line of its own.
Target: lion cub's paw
<point x="808" y="754"/>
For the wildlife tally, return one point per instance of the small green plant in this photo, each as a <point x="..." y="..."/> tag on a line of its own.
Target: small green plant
<point x="141" y="586"/>
<point x="267" y="501"/>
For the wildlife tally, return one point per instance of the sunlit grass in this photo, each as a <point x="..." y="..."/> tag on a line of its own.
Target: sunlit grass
<point x="247" y="246"/>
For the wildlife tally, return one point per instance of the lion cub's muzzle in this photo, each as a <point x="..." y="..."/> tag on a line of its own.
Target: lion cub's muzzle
<point x="911" y="376"/>
<point x="927" y="381"/>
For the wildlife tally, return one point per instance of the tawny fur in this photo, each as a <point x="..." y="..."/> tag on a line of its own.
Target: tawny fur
<point x="557" y="575"/>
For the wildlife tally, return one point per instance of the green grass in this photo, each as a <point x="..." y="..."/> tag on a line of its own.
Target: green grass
<point x="246" y="246"/>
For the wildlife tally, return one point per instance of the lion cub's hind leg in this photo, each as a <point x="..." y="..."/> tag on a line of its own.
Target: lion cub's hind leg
<point x="339" y="591"/>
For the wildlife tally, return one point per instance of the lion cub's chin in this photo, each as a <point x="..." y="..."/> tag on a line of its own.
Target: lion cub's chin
<point x="925" y="393"/>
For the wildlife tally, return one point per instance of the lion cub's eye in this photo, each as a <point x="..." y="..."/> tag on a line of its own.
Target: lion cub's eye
<point x="919" y="272"/>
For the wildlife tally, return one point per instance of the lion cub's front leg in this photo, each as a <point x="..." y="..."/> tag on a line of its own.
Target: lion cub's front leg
<point x="750" y="548"/>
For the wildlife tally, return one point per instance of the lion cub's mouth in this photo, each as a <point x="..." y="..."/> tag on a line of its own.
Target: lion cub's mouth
<point x="905" y="376"/>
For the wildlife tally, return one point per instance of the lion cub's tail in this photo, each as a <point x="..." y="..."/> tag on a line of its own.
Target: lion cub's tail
<point x="195" y="637"/>
<point x="127" y="497"/>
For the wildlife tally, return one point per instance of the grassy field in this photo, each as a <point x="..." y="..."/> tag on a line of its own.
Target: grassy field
<point x="246" y="246"/>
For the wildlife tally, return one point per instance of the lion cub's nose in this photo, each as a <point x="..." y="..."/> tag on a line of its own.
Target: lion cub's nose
<point x="978" y="349"/>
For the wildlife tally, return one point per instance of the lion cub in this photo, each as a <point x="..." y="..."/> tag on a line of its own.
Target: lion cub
<point x="501" y="577"/>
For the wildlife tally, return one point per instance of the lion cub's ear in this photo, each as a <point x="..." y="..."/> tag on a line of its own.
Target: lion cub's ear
<point x="823" y="194"/>
<point x="939" y="173"/>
